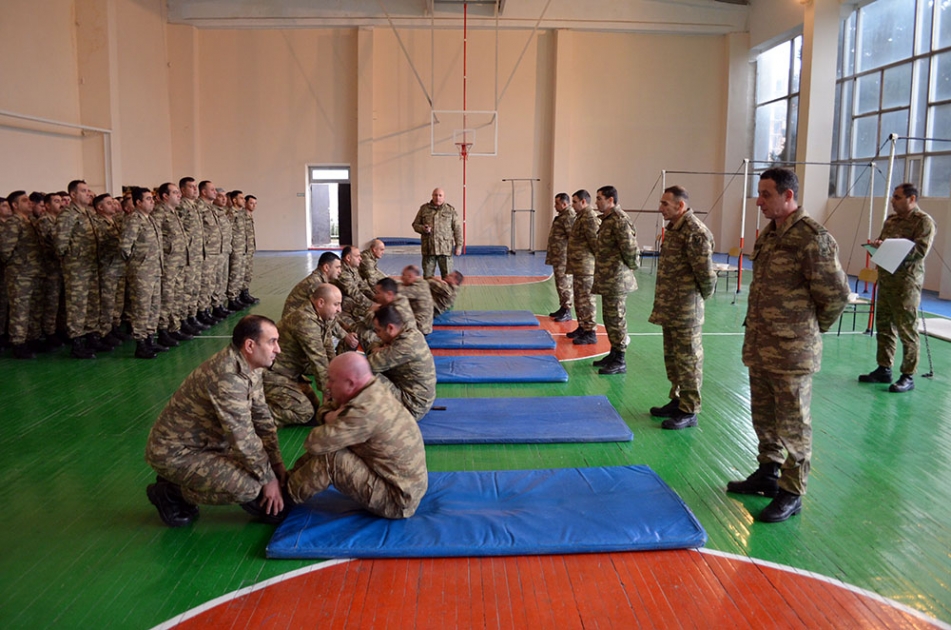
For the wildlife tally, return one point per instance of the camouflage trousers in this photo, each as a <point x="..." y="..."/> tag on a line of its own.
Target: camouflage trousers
<point x="206" y="477"/>
<point x="46" y="301"/>
<point x="896" y="317"/>
<point x="429" y="266"/>
<point x="81" y="285"/>
<point x="235" y="275"/>
<point x="209" y="279"/>
<point x="614" y="310"/>
<point x="779" y="404"/>
<point x="352" y="476"/>
<point x="191" y="288"/>
<point x="21" y="291"/>
<point x="563" y="283"/>
<point x="4" y="302"/>
<point x="220" y="292"/>
<point x="146" y="296"/>
<point x="586" y="306"/>
<point x="290" y="401"/>
<point x="683" y="358"/>
<point x="111" y="295"/>
<point x="248" y="271"/>
<point x="416" y="405"/>
<point x="171" y="311"/>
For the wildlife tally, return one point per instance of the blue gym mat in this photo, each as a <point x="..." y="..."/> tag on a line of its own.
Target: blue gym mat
<point x="486" y="250"/>
<point x="542" y="368"/>
<point x="523" y="421"/>
<point x="501" y="513"/>
<point x="486" y="318"/>
<point x="493" y="339"/>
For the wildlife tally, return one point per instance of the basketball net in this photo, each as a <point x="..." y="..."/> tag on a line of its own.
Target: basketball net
<point x="463" y="149"/>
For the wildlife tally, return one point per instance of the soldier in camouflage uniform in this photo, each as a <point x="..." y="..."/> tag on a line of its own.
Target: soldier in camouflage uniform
<point x="369" y="447"/>
<point x="5" y="214"/>
<point x="211" y="237"/>
<point x="420" y="298"/>
<point x="440" y="234"/>
<point x="582" y="244"/>
<point x="616" y="259"/>
<point x="21" y="255"/>
<point x="369" y="259"/>
<point x="307" y="347"/>
<point x="220" y="294"/>
<point x="798" y="292"/>
<point x="250" y="204"/>
<point x="174" y="262"/>
<point x="195" y="248"/>
<point x="685" y="278"/>
<point x="327" y="271"/>
<point x="112" y="268"/>
<point x="387" y="292"/>
<point x="357" y="294"/>
<point x="557" y="255"/>
<point x="239" y="246"/>
<point x="899" y="293"/>
<point x="141" y="247"/>
<point x="75" y="241"/>
<point x="51" y="285"/>
<point x="403" y="361"/>
<point x="444" y="292"/>
<point x="215" y="443"/>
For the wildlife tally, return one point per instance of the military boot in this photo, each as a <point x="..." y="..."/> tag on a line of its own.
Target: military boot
<point x="605" y="359"/>
<point x="205" y="318"/>
<point x="167" y="339"/>
<point x="95" y="343"/>
<point x="154" y="345"/>
<point x="143" y="350"/>
<point x="80" y="350"/>
<point x="764" y="481"/>
<point x="181" y="335"/>
<point x="587" y="338"/>
<point x="617" y="366"/>
<point x="220" y="312"/>
<point x="234" y="305"/>
<point x="22" y="351"/>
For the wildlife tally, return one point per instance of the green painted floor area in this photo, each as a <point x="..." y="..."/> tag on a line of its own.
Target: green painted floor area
<point x="83" y="548"/>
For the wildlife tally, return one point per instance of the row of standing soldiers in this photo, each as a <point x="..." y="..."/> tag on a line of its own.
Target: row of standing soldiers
<point x="76" y="266"/>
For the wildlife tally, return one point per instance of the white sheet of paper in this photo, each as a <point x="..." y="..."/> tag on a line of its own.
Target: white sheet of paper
<point x="892" y="252"/>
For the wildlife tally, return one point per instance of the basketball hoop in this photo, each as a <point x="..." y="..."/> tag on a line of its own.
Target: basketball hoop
<point x="463" y="148"/>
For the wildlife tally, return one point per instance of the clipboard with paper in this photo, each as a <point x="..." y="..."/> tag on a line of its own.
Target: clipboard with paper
<point x="891" y="253"/>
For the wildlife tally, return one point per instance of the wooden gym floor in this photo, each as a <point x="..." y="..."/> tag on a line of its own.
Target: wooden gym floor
<point x="83" y="548"/>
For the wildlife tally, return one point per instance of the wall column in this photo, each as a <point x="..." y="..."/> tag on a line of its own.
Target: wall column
<point x="362" y="175"/>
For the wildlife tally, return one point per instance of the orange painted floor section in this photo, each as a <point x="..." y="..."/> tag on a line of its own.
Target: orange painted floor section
<point x="565" y="350"/>
<point x="659" y="589"/>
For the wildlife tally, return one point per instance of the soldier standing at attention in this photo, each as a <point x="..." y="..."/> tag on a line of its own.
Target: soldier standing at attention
<point x="440" y="234"/>
<point x="195" y="247"/>
<point x="141" y="247"/>
<point x="616" y="259"/>
<point x="368" y="445"/>
<point x="369" y="261"/>
<point x="685" y="278"/>
<point x="21" y="254"/>
<point x="52" y="284"/>
<point x="557" y="255"/>
<point x="211" y="237"/>
<point x="403" y="361"/>
<point x="239" y="245"/>
<point x="899" y="293"/>
<point x="798" y="292"/>
<point x="112" y="269"/>
<point x="215" y="442"/>
<point x="75" y="241"/>
<point x="582" y="244"/>
<point x="250" y="204"/>
<point x="174" y="261"/>
<point x="220" y="293"/>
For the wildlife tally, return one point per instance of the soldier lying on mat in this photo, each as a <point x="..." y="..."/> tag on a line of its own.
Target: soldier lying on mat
<point x="369" y="447"/>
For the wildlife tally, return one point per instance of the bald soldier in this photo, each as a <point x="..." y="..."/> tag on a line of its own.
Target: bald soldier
<point x="420" y="296"/>
<point x="440" y="234"/>
<point x="215" y="442"/>
<point x="369" y="261"/>
<point x="307" y="347"/>
<point x="403" y="361"/>
<point x="368" y="445"/>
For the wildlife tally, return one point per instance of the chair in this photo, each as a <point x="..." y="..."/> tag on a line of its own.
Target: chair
<point x="726" y="270"/>
<point x="858" y="304"/>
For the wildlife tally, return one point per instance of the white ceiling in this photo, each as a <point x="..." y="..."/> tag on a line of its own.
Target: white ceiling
<point x="655" y="16"/>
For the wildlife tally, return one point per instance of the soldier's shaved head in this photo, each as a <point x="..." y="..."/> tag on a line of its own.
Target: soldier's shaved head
<point x="326" y="299"/>
<point x="347" y="375"/>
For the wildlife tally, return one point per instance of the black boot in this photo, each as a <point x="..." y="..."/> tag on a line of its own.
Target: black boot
<point x="220" y="312"/>
<point x="247" y="298"/>
<point x="194" y="323"/>
<point x="605" y="359"/>
<point x="95" y="343"/>
<point x="172" y="511"/>
<point x="144" y="351"/>
<point x="669" y="410"/>
<point x="785" y="504"/>
<point x="236" y="306"/>
<point x="80" y="350"/>
<point x="181" y="335"/>
<point x="22" y="351"/>
<point x="187" y="327"/>
<point x="564" y="315"/>
<point x="574" y="333"/>
<point x="205" y="318"/>
<point x="617" y="366"/>
<point x="166" y="339"/>
<point x="154" y="345"/>
<point x="764" y="481"/>
<point x="878" y="375"/>
<point x="586" y="338"/>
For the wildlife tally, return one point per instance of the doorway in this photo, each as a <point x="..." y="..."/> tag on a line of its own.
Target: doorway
<point x="328" y="206"/>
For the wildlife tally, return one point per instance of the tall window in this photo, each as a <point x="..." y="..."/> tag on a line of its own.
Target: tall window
<point x="777" y="104"/>
<point x="894" y="77"/>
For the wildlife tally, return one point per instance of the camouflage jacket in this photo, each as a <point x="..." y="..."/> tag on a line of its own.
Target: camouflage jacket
<point x="107" y="240"/>
<point x="421" y="302"/>
<point x="368" y="267"/>
<point x="307" y="345"/>
<point x="227" y="229"/>
<point x="174" y="239"/>
<point x="685" y="275"/>
<point x="210" y="230"/>
<point x="251" y="243"/>
<point x="798" y="291"/>
<point x="75" y="237"/>
<point x="583" y="243"/>
<point x="918" y="227"/>
<point x="617" y="255"/>
<point x="446" y="229"/>
<point x="141" y="244"/>
<point x="557" y="252"/>
<point x="46" y="229"/>
<point x="408" y="364"/>
<point x="300" y="294"/>
<point x="375" y="427"/>
<point x="220" y="408"/>
<point x="20" y="248"/>
<point x="443" y="293"/>
<point x="357" y="295"/>
<point x="239" y="231"/>
<point x="194" y="232"/>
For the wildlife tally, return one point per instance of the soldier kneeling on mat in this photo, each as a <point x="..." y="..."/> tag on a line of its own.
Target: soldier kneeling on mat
<point x="369" y="446"/>
<point x="215" y="442"/>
